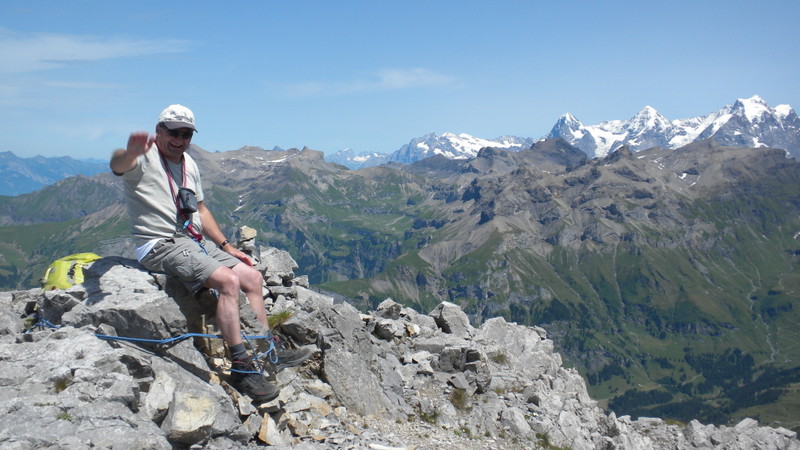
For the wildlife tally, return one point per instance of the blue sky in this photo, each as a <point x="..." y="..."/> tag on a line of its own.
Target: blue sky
<point x="77" y="77"/>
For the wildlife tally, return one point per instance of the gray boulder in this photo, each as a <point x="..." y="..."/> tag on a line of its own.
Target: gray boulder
<point x="451" y="319"/>
<point x="71" y="384"/>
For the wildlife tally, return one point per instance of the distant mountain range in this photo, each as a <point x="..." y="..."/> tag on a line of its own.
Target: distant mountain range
<point x="449" y="145"/>
<point x="23" y="175"/>
<point x="746" y="123"/>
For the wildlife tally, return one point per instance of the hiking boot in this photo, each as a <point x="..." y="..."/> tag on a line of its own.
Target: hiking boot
<point x="291" y="358"/>
<point x="248" y="380"/>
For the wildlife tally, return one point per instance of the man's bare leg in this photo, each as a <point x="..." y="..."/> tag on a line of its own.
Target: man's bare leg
<point x="245" y="375"/>
<point x="226" y="282"/>
<point x="250" y="282"/>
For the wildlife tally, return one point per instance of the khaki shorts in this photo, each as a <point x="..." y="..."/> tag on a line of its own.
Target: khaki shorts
<point x="184" y="259"/>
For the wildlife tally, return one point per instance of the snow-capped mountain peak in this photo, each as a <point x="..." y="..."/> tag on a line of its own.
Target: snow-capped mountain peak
<point x="753" y="109"/>
<point x="568" y="118"/>
<point x="453" y="146"/>
<point x="569" y="125"/>
<point x="646" y="119"/>
<point x="749" y="122"/>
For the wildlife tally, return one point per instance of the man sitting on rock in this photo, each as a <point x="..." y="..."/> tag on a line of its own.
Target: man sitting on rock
<point x="172" y="227"/>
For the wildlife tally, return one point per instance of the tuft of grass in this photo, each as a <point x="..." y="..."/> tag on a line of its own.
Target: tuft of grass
<point x="464" y="431"/>
<point x="65" y="416"/>
<point x="675" y="422"/>
<point x="499" y="358"/>
<point x="60" y="385"/>
<point x="460" y="399"/>
<point x="278" y="319"/>
<point x="430" y="418"/>
<point x="544" y="442"/>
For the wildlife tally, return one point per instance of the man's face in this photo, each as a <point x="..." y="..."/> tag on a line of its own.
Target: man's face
<point x="172" y="143"/>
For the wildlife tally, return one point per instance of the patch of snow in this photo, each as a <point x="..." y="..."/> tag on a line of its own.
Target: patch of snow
<point x="285" y="158"/>
<point x="448" y="154"/>
<point x="365" y="157"/>
<point x="782" y="111"/>
<point x="754" y="108"/>
<point x="606" y="135"/>
<point x="720" y="120"/>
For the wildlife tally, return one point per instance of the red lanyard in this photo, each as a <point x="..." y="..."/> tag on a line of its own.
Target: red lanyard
<point x="170" y="180"/>
<point x="187" y="225"/>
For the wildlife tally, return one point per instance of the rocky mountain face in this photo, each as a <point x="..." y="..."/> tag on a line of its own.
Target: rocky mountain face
<point x="668" y="278"/>
<point x="111" y="363"/>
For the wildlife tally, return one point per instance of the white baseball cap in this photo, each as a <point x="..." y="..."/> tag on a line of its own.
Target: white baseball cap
<point x="177" y="116"/>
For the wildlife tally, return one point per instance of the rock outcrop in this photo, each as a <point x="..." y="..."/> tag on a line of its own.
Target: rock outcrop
<point x="394" y="378"/>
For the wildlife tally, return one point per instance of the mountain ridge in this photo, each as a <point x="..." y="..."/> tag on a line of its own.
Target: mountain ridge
<point x="745" y="123"/>
<point x="23" y="175"/>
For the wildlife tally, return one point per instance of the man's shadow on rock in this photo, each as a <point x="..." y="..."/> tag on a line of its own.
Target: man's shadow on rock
<point x="99" y="268"/>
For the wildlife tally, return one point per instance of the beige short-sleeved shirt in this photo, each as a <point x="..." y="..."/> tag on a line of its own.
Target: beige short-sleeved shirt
<point x="151" y="205"/>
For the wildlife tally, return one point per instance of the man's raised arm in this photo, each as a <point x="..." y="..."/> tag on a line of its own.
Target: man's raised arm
<point x="124" y="160"/>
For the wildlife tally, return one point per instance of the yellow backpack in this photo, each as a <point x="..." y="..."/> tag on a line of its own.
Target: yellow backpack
<point x="67" y="271"/>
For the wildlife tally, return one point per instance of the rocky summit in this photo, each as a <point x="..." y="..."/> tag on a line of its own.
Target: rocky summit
<point x="129" y="359"/>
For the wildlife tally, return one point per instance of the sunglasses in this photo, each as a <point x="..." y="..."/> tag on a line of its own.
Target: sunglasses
<point x="175" y="133"/>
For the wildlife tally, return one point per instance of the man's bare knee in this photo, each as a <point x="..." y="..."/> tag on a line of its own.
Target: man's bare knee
<point x="250" y="279"/>
<point x="225" y="280"/>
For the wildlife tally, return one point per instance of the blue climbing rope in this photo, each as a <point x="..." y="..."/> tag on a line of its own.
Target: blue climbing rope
<point x="42" y="323"/>
<point x="271" y="351"/>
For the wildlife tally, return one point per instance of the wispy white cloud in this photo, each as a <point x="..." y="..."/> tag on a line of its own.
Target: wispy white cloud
<point x="32" y="52"/>
<point x="87" y="85"/>
<point x="381" y="80"/>
<point x="411" y="78"/>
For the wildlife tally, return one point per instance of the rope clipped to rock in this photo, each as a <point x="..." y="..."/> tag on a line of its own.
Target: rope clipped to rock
<point x="271" y="351"/>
